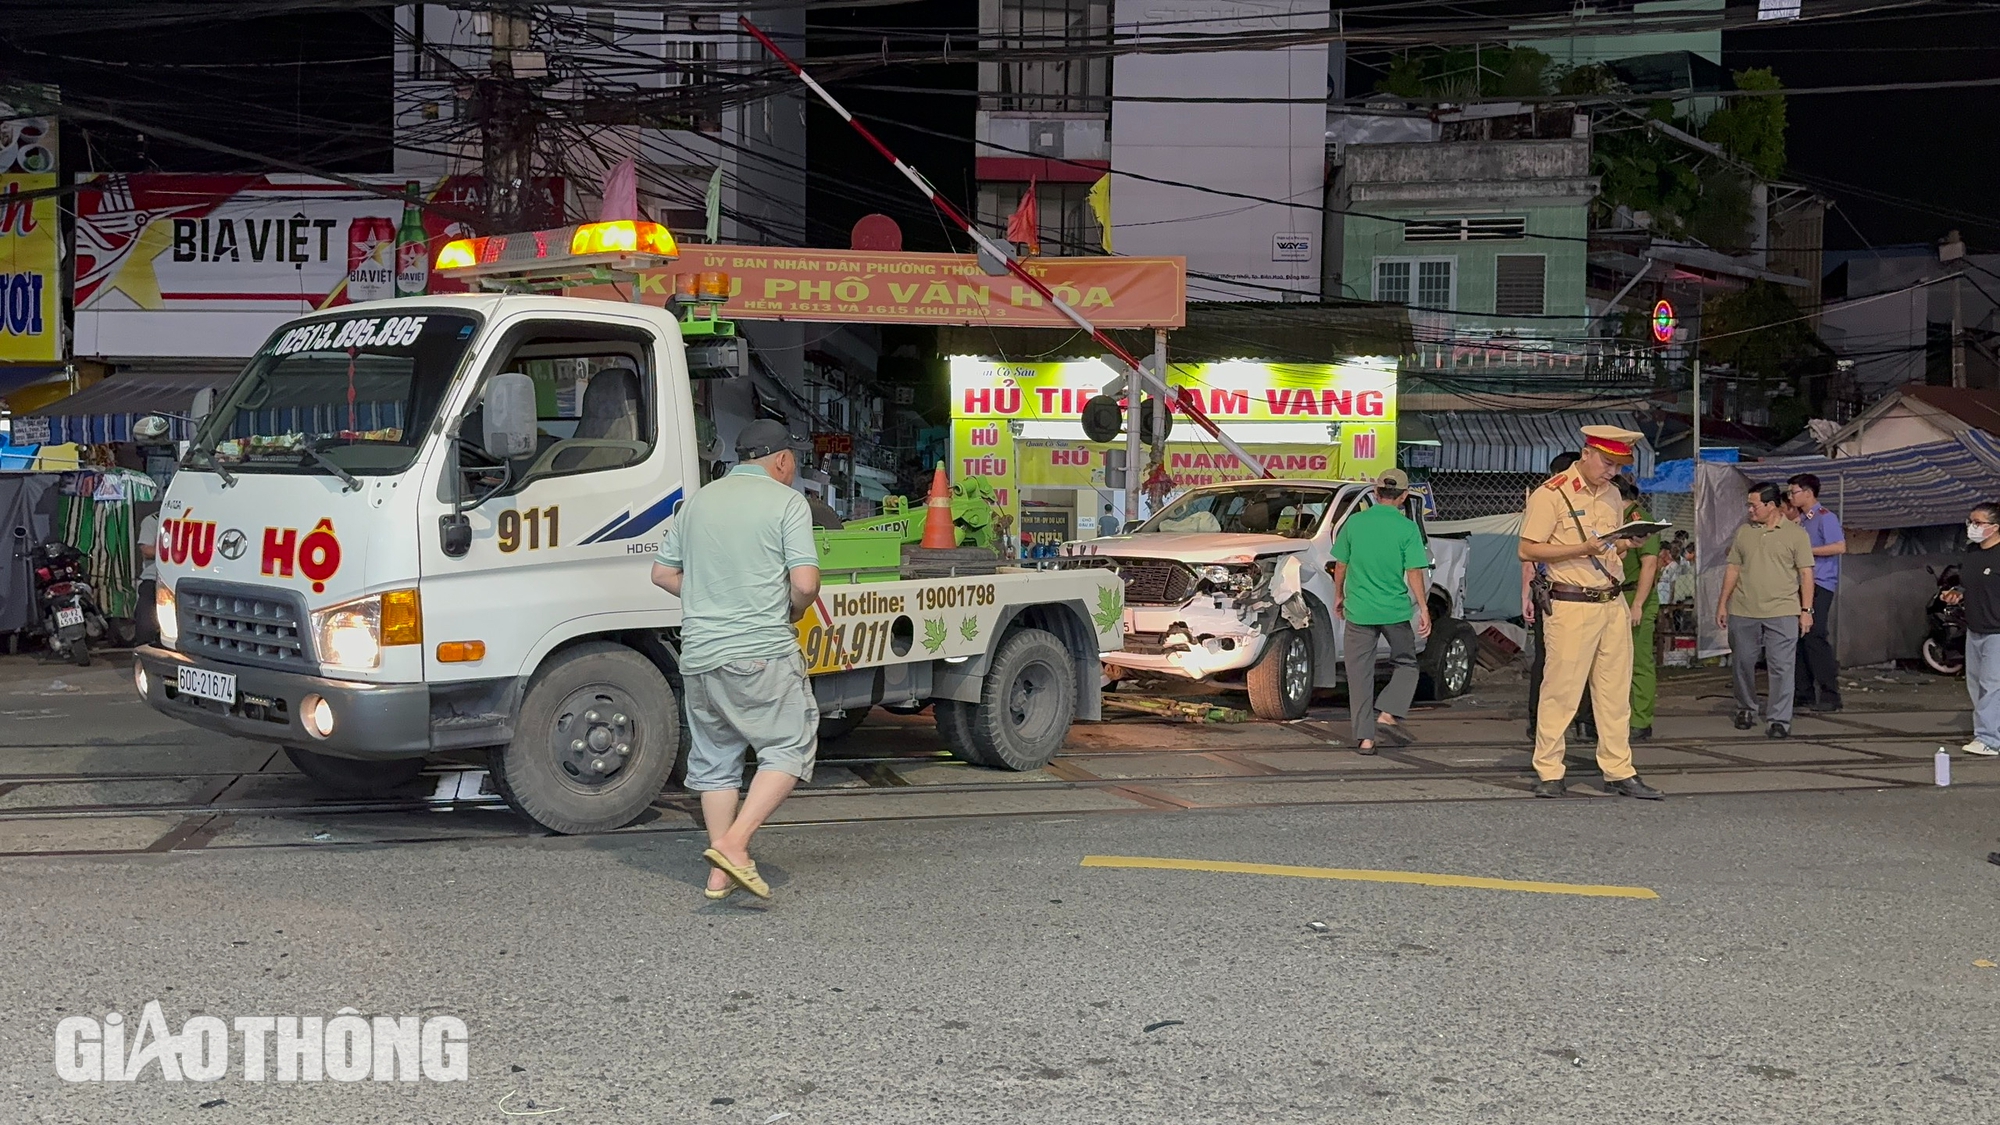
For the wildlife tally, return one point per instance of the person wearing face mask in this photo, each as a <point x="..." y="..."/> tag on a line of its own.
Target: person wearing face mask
<point x="1979" y="592"/>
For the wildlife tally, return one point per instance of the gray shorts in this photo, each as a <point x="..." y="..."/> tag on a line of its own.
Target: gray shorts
<point x="762" y="705"/>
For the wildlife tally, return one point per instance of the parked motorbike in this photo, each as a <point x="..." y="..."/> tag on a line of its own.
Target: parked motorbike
<point x="1944" y="642"/>
<point x="70" y="614"/>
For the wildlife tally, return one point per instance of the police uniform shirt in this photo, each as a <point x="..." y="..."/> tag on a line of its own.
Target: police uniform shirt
<point x="1547" y="519"/>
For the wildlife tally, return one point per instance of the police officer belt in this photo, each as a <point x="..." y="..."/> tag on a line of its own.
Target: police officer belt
<point x="1561" y="592"/>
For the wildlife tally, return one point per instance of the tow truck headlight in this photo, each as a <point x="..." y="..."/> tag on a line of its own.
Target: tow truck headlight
<point x="166" y="615"/>
<point x="353" y="634"/>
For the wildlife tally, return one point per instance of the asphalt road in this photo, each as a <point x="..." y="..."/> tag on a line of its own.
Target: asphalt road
<point x="1810" y="957"/>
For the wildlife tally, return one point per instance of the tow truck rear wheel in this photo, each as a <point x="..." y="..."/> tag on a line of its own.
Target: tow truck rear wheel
<point x="954" y="723"/>
<point x="1027" y="702"/>
<point x="596" y="738"/>
<point x="1281" y="682"/>
<point x="356" y="777"/>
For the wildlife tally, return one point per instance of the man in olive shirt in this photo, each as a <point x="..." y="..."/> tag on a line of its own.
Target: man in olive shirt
<point x="741" y="557"/>
<point x="1767" y="600"/>
<point x="1379" y="561"/>
<point x="1587" y="628"/>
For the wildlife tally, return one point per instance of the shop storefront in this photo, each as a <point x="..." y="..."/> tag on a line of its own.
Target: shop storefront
<point x="1018" y="426"/>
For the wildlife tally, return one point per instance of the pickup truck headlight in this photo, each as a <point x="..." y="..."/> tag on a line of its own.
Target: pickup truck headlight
<point x="166" y="615"/>
<point x="353" y="634"/>
<point x="1228" y="579"/>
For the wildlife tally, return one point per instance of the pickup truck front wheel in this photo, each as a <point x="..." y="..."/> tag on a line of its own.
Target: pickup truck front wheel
<point x="596" y="737"/>
<point x="1281" y="682"/>
<point x="1027" y="702"/>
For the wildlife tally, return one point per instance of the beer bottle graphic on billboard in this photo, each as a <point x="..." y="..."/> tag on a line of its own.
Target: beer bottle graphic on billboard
<point x="413" y="255"/>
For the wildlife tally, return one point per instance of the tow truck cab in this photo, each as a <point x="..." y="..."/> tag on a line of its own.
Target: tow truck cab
<point x="425" y="525"/>
<point x="1232" y="582"/>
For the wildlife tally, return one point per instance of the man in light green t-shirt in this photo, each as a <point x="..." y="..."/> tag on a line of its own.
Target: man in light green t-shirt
<point x="1378" y="588"/>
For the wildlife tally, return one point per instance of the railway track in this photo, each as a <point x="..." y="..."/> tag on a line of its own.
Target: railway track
<point x="205" y="808"/>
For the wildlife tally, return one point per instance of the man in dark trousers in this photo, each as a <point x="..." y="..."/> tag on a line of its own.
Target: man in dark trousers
<point x="1379" y="563"/>
<point x="1817" y="684"/>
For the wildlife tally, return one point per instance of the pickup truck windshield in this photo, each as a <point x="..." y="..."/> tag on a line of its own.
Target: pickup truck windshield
<point x="357" y="392"/>
<point x="1260" y="509"/>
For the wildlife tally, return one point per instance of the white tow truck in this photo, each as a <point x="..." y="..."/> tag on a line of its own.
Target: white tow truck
<point x="425" y="525"/>
<point x="1231" y="583"/>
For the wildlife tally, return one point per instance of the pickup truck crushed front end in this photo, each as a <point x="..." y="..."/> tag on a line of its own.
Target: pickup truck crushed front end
<point x="1200" y="620"/>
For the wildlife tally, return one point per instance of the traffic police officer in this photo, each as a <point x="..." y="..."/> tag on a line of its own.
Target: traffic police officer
<point x="1587" y="628"/>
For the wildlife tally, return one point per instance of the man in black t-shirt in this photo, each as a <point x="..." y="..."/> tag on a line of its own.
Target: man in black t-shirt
<point x="1979" y="592"/>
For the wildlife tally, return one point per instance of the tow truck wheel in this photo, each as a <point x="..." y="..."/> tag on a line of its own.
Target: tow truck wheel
<point x="1027" y="702"/>
<point x="596" y="738"/>
<point x="1281" y="682"/>
<point x="354" y="776"/>
<point x="833" y="729"/>
<point x="954" y="723"/>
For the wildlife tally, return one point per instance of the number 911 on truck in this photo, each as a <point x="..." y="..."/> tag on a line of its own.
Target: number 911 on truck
<point x="426" y="525"/>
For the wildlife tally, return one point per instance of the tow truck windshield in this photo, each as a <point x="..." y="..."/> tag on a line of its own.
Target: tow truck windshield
<point x="340" y="395"/>
<point x="1251" y="508"/>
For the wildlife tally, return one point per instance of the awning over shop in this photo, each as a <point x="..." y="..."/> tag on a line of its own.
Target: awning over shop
<point x="1275" y="331"/>
<point x="1480" y="441"/>
<point x="105" y="411"/>
<point x="1915" y="486"/>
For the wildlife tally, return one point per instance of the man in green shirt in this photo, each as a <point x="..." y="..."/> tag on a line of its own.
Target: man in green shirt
<point x="1642" y="572"/>
<point x="740" y="556"/>
<point x="1378" y="588"/>
<point x="1767" y="600"/>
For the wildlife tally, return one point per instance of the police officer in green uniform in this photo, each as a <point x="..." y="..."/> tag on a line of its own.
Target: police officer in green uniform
<point x="1642" y="572"/>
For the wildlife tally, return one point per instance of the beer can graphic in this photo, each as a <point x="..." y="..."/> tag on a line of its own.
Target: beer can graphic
<point x="371" y="259"/>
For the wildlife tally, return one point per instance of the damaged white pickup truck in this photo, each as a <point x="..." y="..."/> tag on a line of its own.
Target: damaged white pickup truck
<point x="1231" y="583"/>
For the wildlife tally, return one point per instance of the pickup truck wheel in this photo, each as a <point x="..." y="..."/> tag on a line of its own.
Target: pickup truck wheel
<point x="1281" y="682"/>
<point x="598" y="733"/>
<point x="831" y="730"/>
<point x="353" y="776"/>
<point x="1027" y="703"/>
<point x="1447" y="660"/>
<point x="954" y="723"/>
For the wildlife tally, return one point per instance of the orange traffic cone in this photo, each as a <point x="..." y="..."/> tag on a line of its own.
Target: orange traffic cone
<point x="938" y="528"/>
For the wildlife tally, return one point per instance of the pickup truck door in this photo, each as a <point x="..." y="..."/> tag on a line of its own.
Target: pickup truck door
<point x="571" y="536"/>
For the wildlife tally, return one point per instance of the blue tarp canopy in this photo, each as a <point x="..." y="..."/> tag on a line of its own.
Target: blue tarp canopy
<point x="1915" y="486"/>
<point x="1678" y="476"/>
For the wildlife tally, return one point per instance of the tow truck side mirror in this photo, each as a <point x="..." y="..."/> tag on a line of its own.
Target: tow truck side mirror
<point x="510" y="416"/>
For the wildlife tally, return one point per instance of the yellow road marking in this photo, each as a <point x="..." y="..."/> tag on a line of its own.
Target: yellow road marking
<point x="1360" y="875"/>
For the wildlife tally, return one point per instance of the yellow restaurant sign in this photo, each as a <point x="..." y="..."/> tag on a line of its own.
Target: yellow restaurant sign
<point x="1361" y="390"/>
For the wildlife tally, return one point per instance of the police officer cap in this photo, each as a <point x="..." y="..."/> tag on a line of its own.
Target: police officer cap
<point x="1615" y="443"/>
<point x="761" y="439"/>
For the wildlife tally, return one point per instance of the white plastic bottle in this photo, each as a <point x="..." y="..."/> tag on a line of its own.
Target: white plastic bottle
<point x="1941" y="766"/>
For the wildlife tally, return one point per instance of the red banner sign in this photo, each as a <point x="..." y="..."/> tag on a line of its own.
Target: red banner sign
<point x="860" y="286"/>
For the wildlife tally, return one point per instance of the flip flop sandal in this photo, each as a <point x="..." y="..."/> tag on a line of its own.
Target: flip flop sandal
<point x="746" y="876"/>
<point x="714" y="895"/>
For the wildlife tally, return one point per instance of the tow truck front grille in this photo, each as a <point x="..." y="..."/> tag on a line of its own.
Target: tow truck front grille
<point x="243" y="625"/>
<point x="1156" y="581"/>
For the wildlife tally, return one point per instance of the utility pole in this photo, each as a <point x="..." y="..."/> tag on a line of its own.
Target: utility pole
<point x="1952" y="249"/>
<point x="507" y="128"/>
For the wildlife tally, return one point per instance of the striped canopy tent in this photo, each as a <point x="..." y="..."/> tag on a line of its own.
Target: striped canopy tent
<point x="1521" y="441"/>
<point x="104" y="412"/>
<point x="1915" y="486"/>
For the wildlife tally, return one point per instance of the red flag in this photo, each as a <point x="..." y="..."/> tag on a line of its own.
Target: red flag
<point x="1021" y="225"/>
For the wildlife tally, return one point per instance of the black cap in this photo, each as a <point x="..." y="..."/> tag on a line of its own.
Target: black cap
<point x="761" y="439"/>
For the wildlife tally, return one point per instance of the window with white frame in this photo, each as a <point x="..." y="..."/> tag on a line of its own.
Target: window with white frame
<point x="1425" y="283"/>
